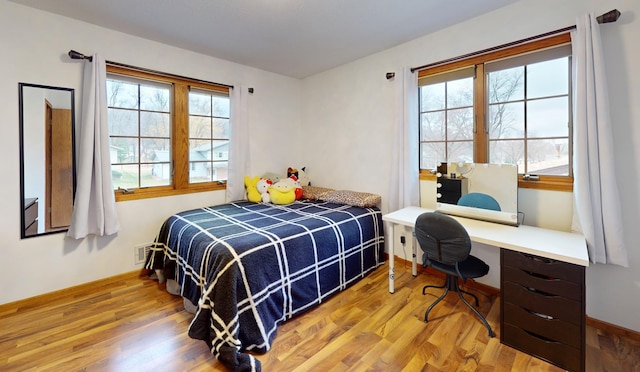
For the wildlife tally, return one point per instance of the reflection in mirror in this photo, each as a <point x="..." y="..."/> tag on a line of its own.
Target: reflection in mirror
<point x="482" y="191"/>
<point x="47" y="161"/>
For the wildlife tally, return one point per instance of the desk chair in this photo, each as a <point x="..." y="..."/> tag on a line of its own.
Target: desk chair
<point x="479" y="200"/>
<point x="446" y="246"/>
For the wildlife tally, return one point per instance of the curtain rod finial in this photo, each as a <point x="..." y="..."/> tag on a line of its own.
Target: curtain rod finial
<point x="77" y="55"/>
<point x="609" y="17"/>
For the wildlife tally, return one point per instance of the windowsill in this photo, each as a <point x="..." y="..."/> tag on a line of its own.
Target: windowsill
<point x="552" y="183"/>
<point x="157" y="192"/>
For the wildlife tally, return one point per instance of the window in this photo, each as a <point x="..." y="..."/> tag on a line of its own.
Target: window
<point x="208" y="136"/>
<point x="168" y="135"/>
<point x="510" y="106"/>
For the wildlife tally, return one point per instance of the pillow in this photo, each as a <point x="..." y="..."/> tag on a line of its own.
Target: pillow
<point x="355" y="198"/>
<point x="315" y="192"/>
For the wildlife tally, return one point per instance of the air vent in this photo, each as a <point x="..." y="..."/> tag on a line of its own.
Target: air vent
<point x="140" y="252"/>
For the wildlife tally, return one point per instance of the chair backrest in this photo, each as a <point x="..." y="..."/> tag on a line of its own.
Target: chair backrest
<point x="442" y="238"/>
<point x="479" y="200"/>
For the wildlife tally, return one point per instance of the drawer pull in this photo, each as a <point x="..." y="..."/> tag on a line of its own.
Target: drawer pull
<point x="542" y="338"/>
<point x="540" y="315"/>
<point x="541" y="276"/>
<point x="541" y="293"/>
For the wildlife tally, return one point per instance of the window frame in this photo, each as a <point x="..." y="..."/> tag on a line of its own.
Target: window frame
<point x="179" y="135"/>
<point x="481" y="141"/>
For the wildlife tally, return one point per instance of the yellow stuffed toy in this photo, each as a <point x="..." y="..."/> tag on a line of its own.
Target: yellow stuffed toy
<point x="283" y="191"/>
<point x="251" y="183"/>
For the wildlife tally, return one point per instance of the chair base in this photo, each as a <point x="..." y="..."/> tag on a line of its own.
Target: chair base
<point x="452" y="284"/>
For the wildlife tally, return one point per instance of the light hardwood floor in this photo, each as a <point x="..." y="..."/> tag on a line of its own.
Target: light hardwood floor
<point x="129" y="323"/>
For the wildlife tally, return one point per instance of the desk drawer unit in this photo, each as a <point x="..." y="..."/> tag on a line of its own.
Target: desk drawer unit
<point x="542" y="308"/>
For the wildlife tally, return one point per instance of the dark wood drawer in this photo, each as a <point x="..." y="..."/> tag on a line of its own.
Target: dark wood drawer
<point x="542" y="326"/>
<point x="562" y="355"/>
<point x="543" y="283"/>
<point x="554" y="306"/>
<point x="30" y="213"/>
<point x="543" y="267"/>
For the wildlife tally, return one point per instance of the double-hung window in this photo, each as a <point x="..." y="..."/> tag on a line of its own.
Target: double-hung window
<point x="512" y="106"/>
<point x="168" y="135"/>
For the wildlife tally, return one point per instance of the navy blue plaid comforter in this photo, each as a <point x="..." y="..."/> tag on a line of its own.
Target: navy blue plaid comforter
<point x="251" y="266"/>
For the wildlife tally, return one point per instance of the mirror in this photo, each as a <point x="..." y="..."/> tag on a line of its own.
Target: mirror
<point x="482" y="191"/>
<point x="47" y="158"/>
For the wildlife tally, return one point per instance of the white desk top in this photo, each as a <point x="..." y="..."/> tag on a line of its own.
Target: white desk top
<point x="558" y="245"/>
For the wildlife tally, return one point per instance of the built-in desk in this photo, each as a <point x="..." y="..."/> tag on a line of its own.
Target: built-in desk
<point x="541" y="284"/>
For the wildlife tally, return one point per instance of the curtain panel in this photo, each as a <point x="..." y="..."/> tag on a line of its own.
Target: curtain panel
<point x="94" y="209"/>
<point x="404" y="188"/>
<point x="597" y="212"/>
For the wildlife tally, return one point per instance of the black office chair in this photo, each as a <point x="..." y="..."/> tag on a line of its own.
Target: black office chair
<point x="446" y="246"/>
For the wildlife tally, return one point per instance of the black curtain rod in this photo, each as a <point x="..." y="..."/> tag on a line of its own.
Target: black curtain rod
<point x="77" y="55"/>
<point x="608" y="17"/>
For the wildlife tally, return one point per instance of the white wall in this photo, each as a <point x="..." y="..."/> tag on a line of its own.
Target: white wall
<point x="349" y="115"/>
<point x="34" y="46"/>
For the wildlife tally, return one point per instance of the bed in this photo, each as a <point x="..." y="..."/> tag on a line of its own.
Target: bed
<point x="251" y="266"/>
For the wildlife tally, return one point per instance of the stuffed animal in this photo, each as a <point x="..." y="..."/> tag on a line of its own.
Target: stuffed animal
<point x="272" y="176"/>
<point x="252" y="190"/>
<point x="283" y="191"/>
<point x="302" y="176"/>
<point x="298" y="187"/>
<point x="263" y="189"/>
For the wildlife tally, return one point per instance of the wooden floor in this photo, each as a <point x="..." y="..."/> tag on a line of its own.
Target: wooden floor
<point x="131" y="324"/>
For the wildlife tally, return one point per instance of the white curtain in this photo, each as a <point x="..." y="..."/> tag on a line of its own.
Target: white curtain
<point x="404" y="176"/>
<point x="597" y="212"/>
<point x="238" y="146"/>
<point x="94" y="209"/>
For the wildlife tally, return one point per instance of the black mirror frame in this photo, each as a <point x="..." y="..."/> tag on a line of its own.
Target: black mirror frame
<point x="23" y="234"/>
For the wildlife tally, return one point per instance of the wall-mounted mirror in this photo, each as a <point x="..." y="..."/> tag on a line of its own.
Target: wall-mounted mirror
<point x="47" y="159"/>
<point x="481" y="191"/>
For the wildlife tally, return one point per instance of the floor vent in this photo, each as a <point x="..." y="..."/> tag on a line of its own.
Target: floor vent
<point x="140" y="252"/>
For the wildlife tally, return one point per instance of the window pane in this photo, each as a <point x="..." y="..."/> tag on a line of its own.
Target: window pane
<point x="155" y="150"/>
<point x="199" y="150"/>
<point x="122" y="122"/>
<point x="199" y="127"/>
<point x="506" y="85"/>
<point x="460" y="151"/>
<point x="431" y="154"/>
<point x="220" y="150"/>
<point x="160" y="175"/>
<point x="209" y="136"/>
<point x="122" y="94"/>
<point x="507" y="152"/>
<point x="549" y="78"/>
<point x="460" y="93"/>
<point x="221" y="106"/>
<point x="221" y="128"/>
<point x="154" y="98"/>
<point x="199" y="104"/>
<point x="125" y="176"/>
<point x="548" y="157"/>
<point x="460" y="124"/>
<point x="506" y="120"/>
<point x="124" y="149"/>
<point x="548" y="117"/>
<point x="432" y="97"/>
<point x="432" y="126"/>
<point x="155" y="124"/>
<point x="155" y="175"/>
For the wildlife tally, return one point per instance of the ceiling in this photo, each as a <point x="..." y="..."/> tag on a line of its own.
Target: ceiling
<point x="296" y="38"/>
